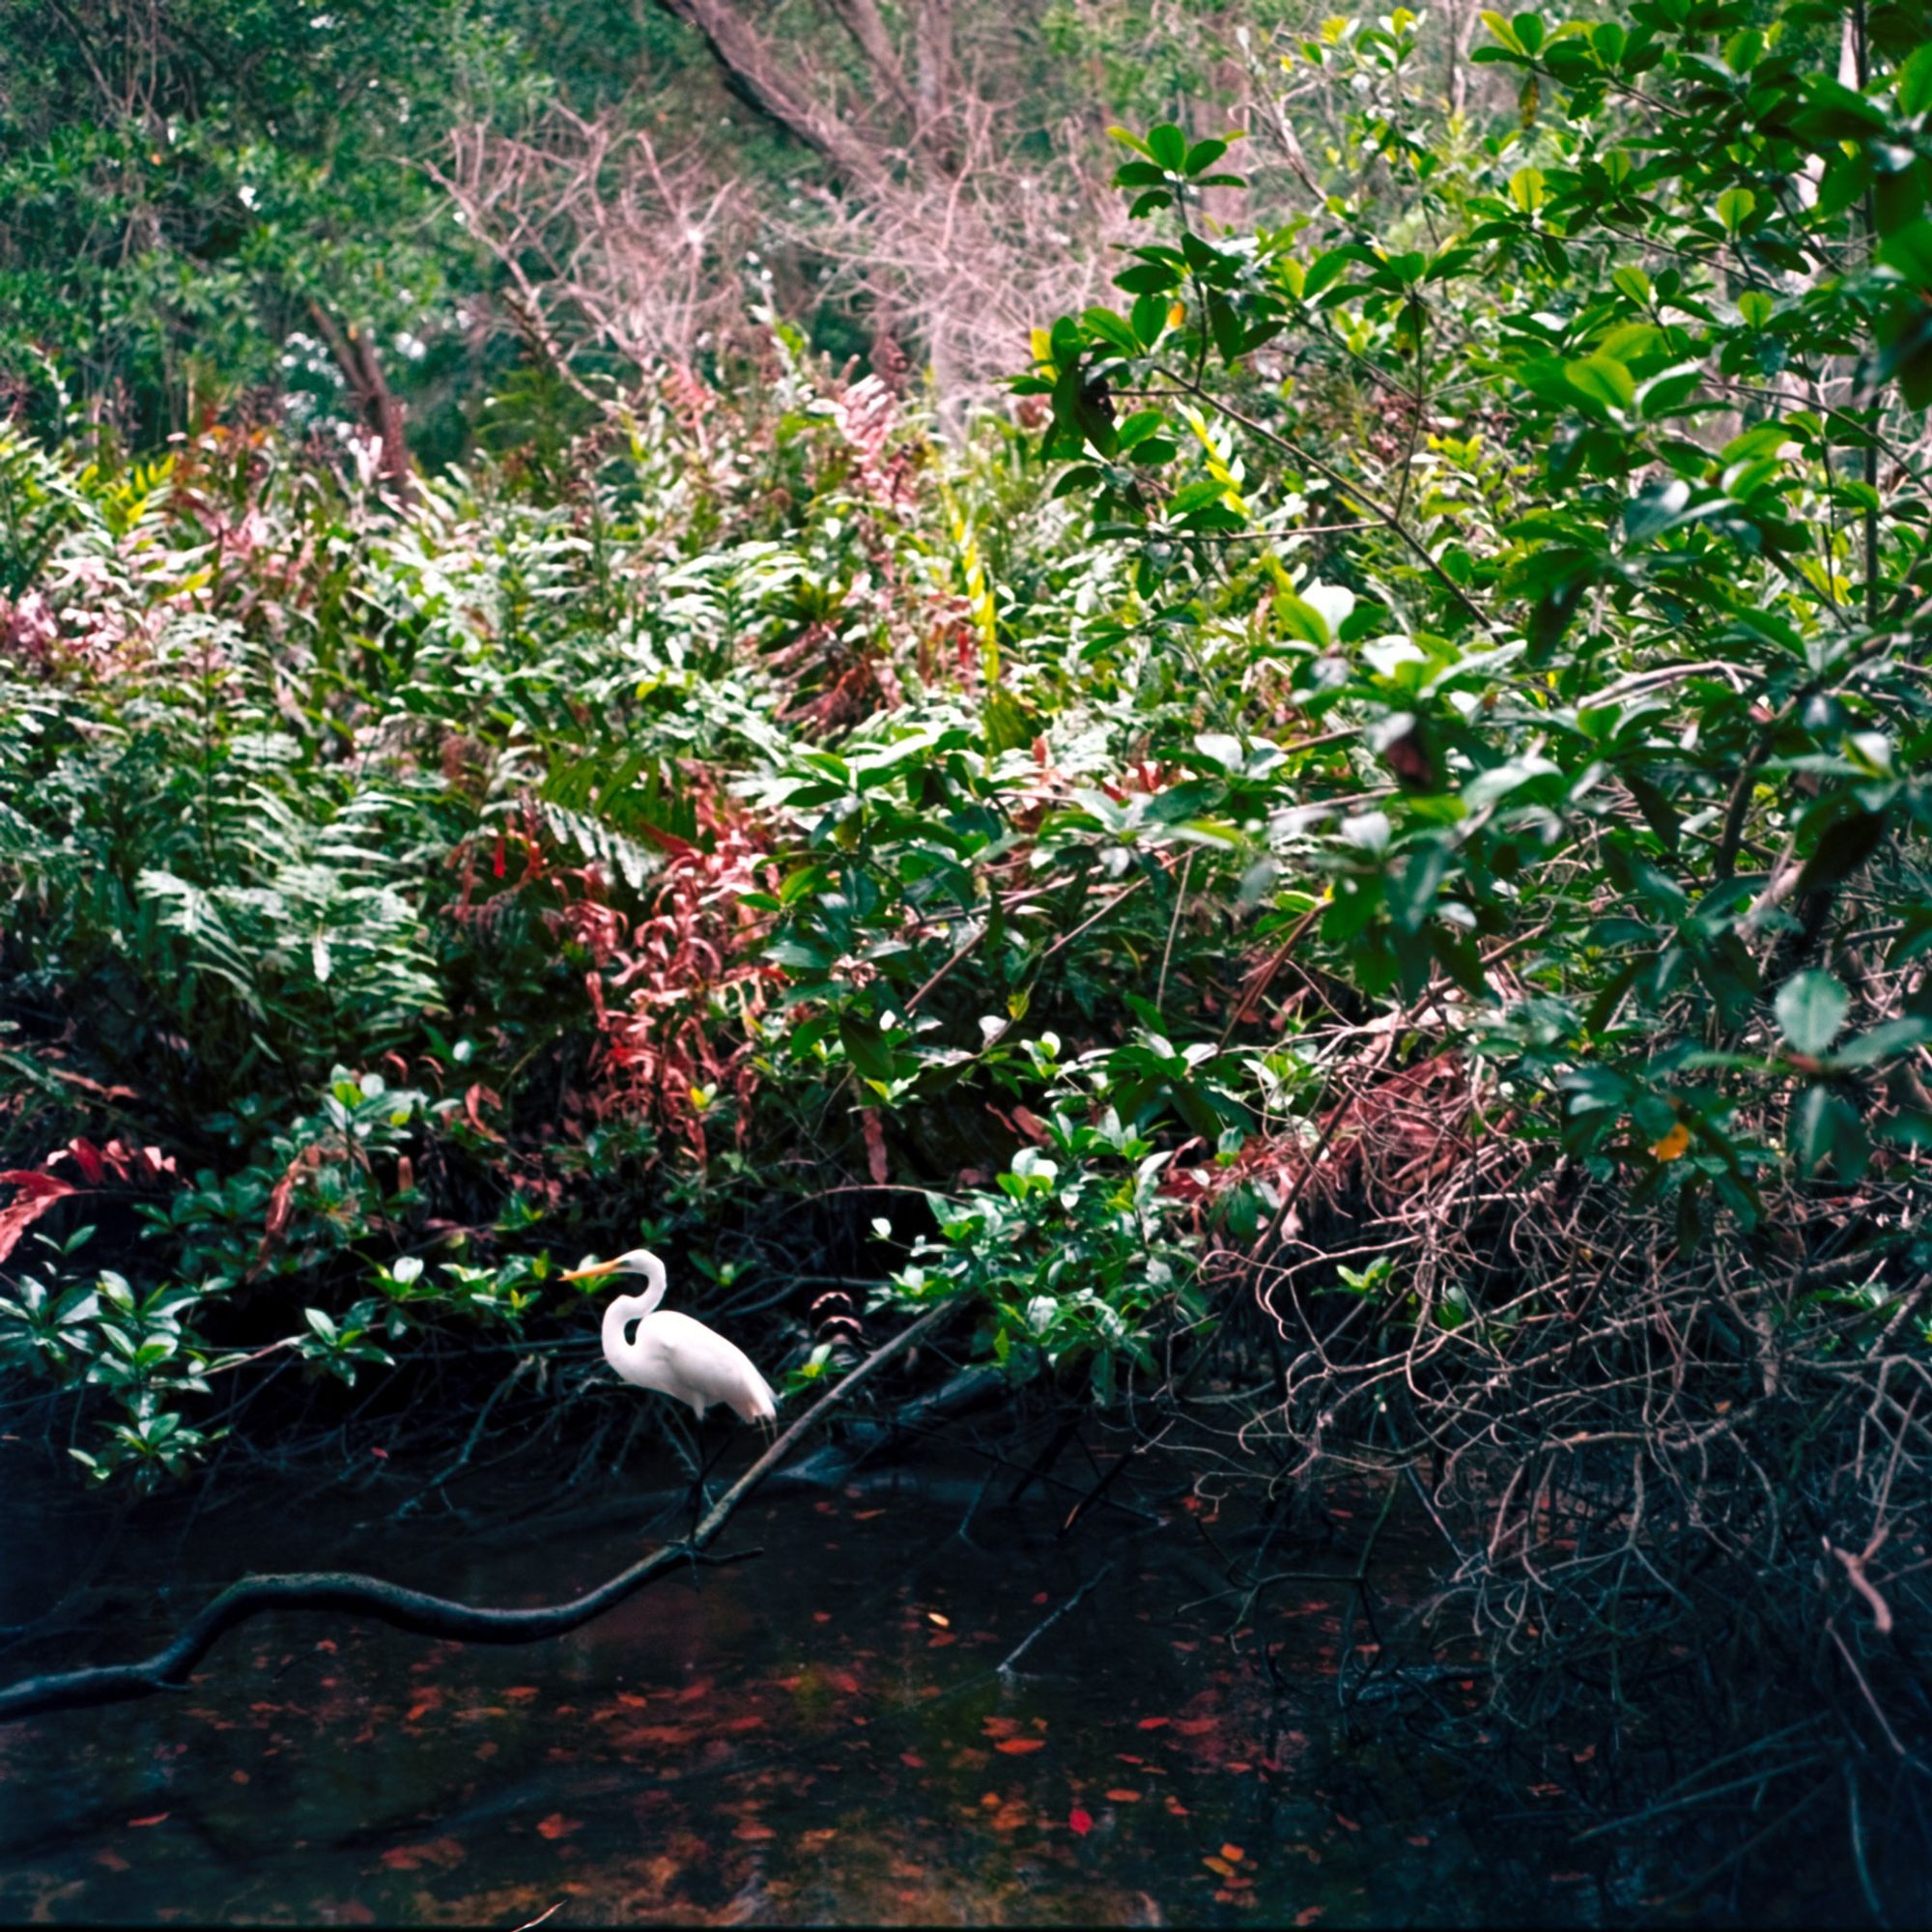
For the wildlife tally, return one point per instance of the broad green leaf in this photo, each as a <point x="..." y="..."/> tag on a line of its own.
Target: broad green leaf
<point x="1604" y="381"/>
<point x="1810" y="1008"/>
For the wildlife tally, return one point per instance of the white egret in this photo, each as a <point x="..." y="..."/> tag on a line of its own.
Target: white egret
<point x="673" y="1354"/>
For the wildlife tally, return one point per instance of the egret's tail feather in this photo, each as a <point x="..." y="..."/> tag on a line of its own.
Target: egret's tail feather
<point x="756" y="1402"/>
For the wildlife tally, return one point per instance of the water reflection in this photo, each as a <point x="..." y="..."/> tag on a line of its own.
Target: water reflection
<point x="821" y="1734"/>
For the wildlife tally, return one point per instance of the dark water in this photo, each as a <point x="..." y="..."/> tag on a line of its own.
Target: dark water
<point x="817" y="1735"/>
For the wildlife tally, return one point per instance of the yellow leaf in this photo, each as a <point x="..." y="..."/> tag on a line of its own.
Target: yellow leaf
<point x="1176" y="316"/>
<point x="1673" y="1144"/>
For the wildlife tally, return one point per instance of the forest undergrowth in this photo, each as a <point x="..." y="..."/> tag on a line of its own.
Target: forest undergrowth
<point x="1345" y="881"/>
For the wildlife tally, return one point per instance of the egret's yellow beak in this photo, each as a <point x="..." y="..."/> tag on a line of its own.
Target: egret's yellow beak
<point x="595" y="1271"/>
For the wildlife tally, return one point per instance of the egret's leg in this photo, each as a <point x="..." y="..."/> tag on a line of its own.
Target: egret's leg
<point x="700" y="1494"/>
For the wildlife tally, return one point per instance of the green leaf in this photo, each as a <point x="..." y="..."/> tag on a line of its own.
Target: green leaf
<point x="1633" y="284"/>
<point x="1846" y="845"/>
<point x="1168" y="145"/>
<point x="866" y="1046"/>
<point x="1526" y="190"/>
<point x="1883" y="1043"/>
<point x="1604" y="381"/>
<point x="1735" y="206"/>
<point x="1656" y="508"/>
<point x="1826" y="1136"/>
<point x="1811" y="1006"/>
<point x="1909" y="252"/>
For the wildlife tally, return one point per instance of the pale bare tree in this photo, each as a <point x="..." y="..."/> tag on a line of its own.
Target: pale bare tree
<point x="604" y="241"/>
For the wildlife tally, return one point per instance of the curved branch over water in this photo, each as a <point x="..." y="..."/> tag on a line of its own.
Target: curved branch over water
<point x="168" y="1668"/>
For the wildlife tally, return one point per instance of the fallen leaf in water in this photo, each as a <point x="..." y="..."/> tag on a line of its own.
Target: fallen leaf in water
<point x="523" y="1693"/>
<point x="934" y="1617"/>
<point x="1079" y="1822"/>
<point x="238" y="1777"/>
<point x="1039" y="1597"/>
<point x="159" y="1818"/>
<point x="1220" y="1866"/>
<point x="1195" y="1728"/>
<point x="823" y="1836"/>
<point x="1013" y="1747"/>
<point x="1125" y="1796"/>
<point x="939" y="1639"/>
<point x="751" y="1833"/>
<point x="557" y="1826"/>
<point x="1347" y="1823"/>
<point x="1154" y="1724"/>
<point x="440" y="1852"/>
<point x="1233" y="1854"/>
<point x="1308" y="1915"/>
<point x="1176" y="1806"/>
<point x="866" y="1516"/>
<point x="912" y="1760"/>
<point x="113" y="1861"/>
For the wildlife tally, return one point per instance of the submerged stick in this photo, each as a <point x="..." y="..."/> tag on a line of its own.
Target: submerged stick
<point x="168" y="1668"/>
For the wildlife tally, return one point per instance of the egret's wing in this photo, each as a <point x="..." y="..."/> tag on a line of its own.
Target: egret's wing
<point x="704" y="1367"/>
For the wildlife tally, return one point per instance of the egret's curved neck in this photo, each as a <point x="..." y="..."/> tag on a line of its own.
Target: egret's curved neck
<point x="654" y="1274"/>
<point x="627" y="1308"/>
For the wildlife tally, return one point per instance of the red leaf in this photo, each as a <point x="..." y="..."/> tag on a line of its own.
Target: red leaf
<point x="1014" y="1746"/>
<point x="159" y="1818"/>
<point x="38" y="1192"/>
<point x="1308" y="1915"/>
<point x="1195" y="1728"/>
<point x="557" y="1826"/>
<point x="472" y="1107"/>
<point x="1154" y="1724"/>
<point x="1079" y="1822"/>
<point x="87" y="1157"/>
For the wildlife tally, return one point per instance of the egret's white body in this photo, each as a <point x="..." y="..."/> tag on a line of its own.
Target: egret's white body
<point x="674" y="1353"/>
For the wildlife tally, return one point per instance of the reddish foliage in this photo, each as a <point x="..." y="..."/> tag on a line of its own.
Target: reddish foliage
<point x="660" y="987"/>
<point x="35" y="1194"/>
